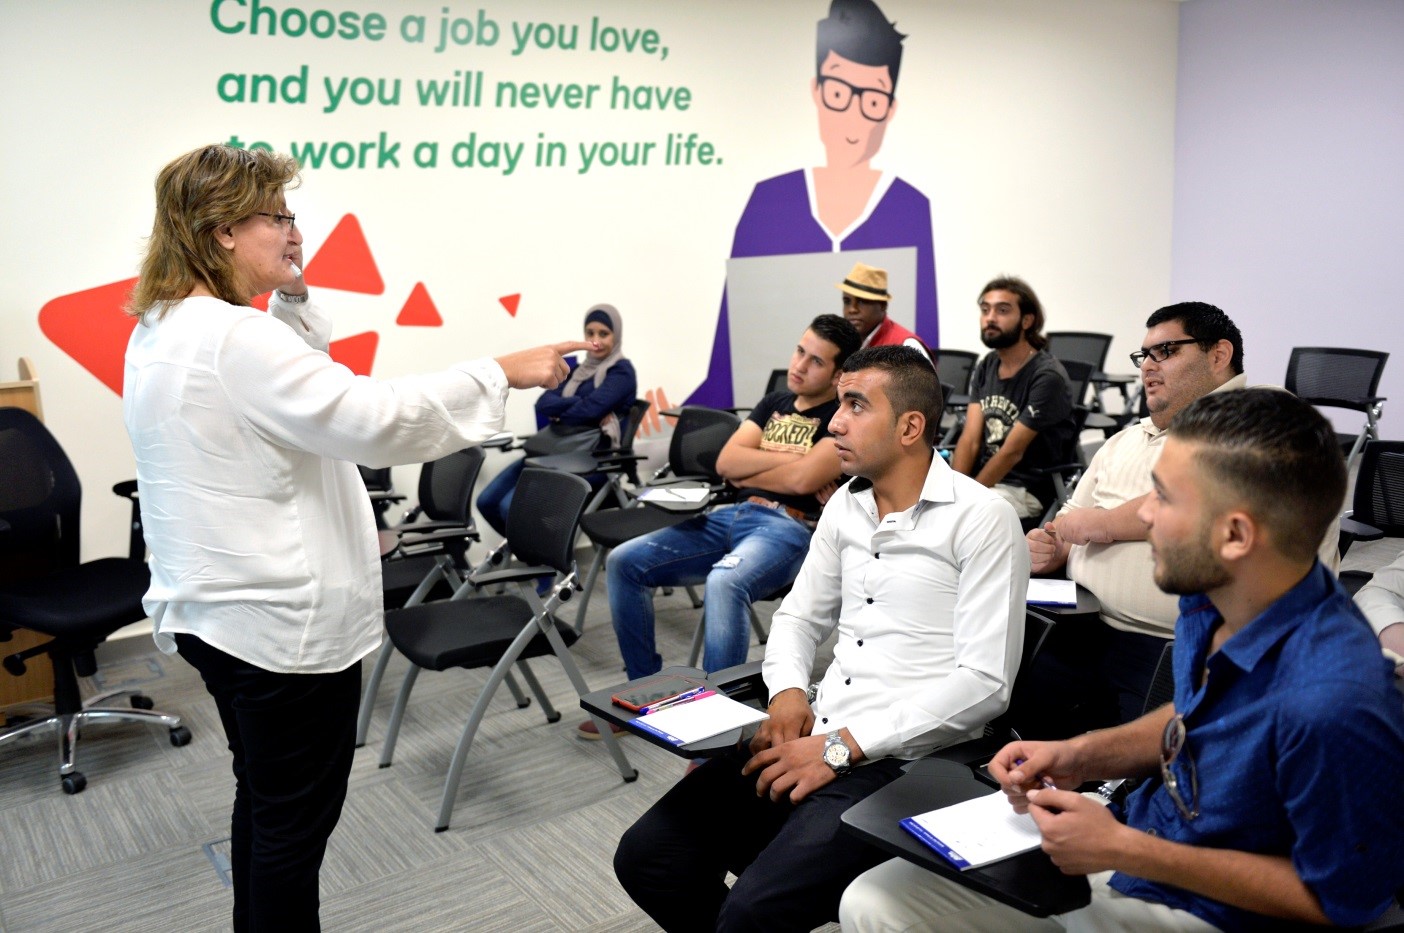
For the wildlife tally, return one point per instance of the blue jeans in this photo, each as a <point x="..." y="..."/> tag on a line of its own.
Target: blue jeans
<point x="742" y="552"/>
<point x="495" y="501"/>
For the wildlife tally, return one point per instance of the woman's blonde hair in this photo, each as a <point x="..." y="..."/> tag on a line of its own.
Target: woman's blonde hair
<point x="196" y="194"/>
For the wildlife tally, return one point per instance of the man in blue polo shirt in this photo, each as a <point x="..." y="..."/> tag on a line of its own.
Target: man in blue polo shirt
<point x="1275" y="779"/>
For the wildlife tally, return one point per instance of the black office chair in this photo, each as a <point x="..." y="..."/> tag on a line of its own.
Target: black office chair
<point x="698" y="439"/>
<point x="1083" y="347"/>
<point x="1377" y="508"/>
<point x="955" y="369"/>
<point x="46" y="589"/>
<point x="1337" y="377"/>
<point x="381" y="489"/>
<point x="430" y="556"/>
<point x="619" y="463"/>
<point x="500" y="632"/>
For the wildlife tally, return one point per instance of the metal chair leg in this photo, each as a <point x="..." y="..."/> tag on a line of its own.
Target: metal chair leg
<point x="551" y="713"/>
<point x="475" y="718"/>
<point x="397" y="714"/>
<point x="363" y="716"/>
<point x="600" y="554"/>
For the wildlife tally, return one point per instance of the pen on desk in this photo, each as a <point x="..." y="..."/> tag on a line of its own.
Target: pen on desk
<point x="694" y="694"/>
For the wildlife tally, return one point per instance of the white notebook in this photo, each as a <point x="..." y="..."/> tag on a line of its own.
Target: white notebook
<point x="976" y="832"/>
<point x="699" y="719"/>
<point x="1051" y="592"/>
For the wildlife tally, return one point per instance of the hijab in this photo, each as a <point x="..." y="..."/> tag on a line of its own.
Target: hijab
<point x="591" y="368"/>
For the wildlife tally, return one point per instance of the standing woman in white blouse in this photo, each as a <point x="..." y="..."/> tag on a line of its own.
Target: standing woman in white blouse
<point x="265" y="569"/>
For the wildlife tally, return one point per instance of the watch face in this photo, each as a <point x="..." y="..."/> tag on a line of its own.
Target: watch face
<point x="836" y="756"/>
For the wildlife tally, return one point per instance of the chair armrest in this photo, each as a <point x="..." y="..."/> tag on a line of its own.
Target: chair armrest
<point x="381" y="496"/>
<point x="410" y="541"/>
<point x="1359" y="531"/>
<point x="136" y="544"/>
<point x="510" y="575"/>
<point x="742" y="682"/>
<point x="417" y="527"/>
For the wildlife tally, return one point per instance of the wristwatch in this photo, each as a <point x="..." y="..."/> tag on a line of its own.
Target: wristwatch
<point x="836" y="754"/>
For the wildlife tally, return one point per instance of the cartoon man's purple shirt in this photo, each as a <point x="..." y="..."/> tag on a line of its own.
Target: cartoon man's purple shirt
<point x="779" y="219"/>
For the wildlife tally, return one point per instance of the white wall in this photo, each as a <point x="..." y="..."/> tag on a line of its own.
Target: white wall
<point x="1289" y="193"/>
<point x="1042" y="131"/>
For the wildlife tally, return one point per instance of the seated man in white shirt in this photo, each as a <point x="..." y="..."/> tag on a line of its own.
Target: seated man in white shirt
<point x="1382" y="601"/>
<point x="922" y="572"/>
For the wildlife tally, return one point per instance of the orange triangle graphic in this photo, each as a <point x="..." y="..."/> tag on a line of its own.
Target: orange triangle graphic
<point x="419" y="309"/>
<point x="345" y="261"/>
<point x="356" y="353"/>
<point x="510" y="302"/>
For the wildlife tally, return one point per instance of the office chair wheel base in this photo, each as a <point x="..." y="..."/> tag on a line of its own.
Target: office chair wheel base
<point x="140" y="701"/>
<point x="73" y="783"/>
<point x="180" y="736"/>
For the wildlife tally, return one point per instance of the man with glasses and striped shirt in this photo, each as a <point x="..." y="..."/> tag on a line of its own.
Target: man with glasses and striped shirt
<point x="1272" y="791"/>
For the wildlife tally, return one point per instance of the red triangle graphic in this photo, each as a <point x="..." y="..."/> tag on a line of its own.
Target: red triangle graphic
<point x="510" y="302"/>
<point x="91" y="327"/>
<point x="356" y="353"/>
<point x="419" y="309"/>
<point x="345" y="261"/>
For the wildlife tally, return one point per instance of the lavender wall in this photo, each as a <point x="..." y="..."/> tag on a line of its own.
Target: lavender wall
<point x="1289" y="177"/>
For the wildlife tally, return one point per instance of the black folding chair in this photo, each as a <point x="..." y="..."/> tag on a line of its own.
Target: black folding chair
<point x="502" y="632"/>
<point x="1337" y="377"/>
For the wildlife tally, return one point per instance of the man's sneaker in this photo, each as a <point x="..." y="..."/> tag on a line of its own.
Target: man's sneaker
<point x="589" y="731"/>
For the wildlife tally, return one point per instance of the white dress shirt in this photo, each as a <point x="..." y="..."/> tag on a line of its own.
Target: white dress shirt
<point x="929" y="605"/>
<point x="1382" y="599"/>
<point x="247" y="435"/>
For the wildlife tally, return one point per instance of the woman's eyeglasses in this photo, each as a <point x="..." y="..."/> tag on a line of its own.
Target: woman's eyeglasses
<point x="285" y="221"/>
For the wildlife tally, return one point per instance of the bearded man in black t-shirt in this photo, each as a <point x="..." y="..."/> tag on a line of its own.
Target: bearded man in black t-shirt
<point x="784" y="464"/>
<point x="1020" y="414"/>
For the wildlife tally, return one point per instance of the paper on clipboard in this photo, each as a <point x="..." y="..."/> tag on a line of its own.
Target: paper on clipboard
<point x="699" y="719"/>
<point x="1051" y="592"/>
<point x="976" y="832"/>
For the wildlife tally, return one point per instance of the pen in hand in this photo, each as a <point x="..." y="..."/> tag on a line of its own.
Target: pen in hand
<point x="1018" y="762"/>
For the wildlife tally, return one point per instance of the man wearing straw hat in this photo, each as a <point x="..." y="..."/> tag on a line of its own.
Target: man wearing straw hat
<point x="865" y="300"/>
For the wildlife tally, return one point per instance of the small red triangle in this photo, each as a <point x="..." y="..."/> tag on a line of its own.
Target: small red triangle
<point x="345" y="261"/>
<point x="510" y="302"/>
<point x="419" y="309"/>
<point x="356" y="353"/>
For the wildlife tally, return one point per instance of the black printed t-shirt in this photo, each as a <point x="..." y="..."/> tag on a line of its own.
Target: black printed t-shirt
<point x="785" y="428"/>
<point x="1038" y="396"/>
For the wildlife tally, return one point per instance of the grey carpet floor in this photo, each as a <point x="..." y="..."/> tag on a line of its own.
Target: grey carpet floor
<point x="529" y="849"/>
<point x="534" y="828"/>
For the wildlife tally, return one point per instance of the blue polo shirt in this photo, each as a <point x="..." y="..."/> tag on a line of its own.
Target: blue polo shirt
<point x="1298" y="739"/>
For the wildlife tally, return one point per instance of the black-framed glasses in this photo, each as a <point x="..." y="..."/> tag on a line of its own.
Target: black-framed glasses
<point x="1160" y="352"/>
<point x="837" y="94"/>
<point x="286" y="221"/>
<point x="1172" y="749"/>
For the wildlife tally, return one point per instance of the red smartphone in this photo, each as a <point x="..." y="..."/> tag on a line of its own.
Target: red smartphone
<point x="653" y="690"/>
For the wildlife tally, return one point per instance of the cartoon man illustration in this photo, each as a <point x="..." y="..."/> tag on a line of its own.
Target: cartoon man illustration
<point x="846" y="203"/>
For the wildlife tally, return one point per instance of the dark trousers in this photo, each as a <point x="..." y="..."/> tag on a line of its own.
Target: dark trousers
<point x="293" y="736"/>
<point x="1087" y="676"/>
<point x="792" y="861"/>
